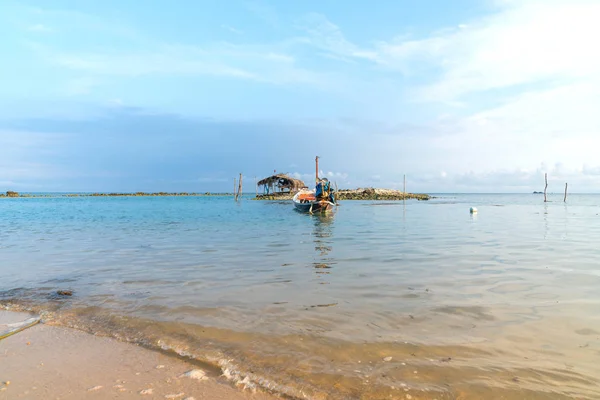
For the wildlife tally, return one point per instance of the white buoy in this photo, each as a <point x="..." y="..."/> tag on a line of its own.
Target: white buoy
<point x="473" y="210"/>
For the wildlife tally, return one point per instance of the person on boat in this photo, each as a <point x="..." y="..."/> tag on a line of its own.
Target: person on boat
<point x="323" y="191"/>
<point x="320" y="189"/>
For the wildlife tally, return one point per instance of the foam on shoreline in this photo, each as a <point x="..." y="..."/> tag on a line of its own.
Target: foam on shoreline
<point x="47" y="361"/>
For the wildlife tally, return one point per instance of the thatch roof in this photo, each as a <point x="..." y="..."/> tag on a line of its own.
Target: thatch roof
<point x="282" y="181"/>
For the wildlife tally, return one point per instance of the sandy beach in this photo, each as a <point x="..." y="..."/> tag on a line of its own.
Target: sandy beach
<point x="49" y="362"/>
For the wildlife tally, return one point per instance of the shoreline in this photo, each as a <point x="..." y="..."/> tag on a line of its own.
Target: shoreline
<point x="46" y="361"/>
<point x="344" y="194"/>
<point x="357" y="194"/>
<point x="437" y="362"/>
<point x="136" y="194"/>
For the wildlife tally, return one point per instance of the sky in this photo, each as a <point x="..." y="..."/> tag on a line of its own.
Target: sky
<point x="461" y="96"/>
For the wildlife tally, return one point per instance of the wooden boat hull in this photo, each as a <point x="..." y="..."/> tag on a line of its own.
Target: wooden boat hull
<point x="305" y="202"/>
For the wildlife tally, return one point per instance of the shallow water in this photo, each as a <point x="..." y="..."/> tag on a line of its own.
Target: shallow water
<point x="502" y="304"/>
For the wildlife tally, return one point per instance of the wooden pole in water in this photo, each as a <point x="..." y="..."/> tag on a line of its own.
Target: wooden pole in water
<point x="566" y="184"/>
<point x="240" y="192"/>
<point x="317" y="169"/>
<point x="336" y="193"/>
<point x="545" y="187"/>
<point x="404" y="190"/>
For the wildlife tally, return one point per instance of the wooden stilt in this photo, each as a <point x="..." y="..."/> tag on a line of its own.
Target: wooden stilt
<point x="239" y="192"/>
<point x="545" y="187"/>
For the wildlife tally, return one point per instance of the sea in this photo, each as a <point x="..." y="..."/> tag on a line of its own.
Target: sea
<point x="379" y="300"/>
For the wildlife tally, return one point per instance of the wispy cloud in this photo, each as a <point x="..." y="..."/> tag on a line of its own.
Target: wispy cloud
<point x="488" y="99"/>
<point x="75" y="22"/>
<point x="327" y="36"/>
<point x="39" y="28"/>
<point x="523" y="43"/>
<point x="281" y="62"/>
<point x="79" y="86"/>
<point x="105" y="153"/>
<point x="266" y="63"/>
<point x="231" y="29"/>
<point x="25" y="155"/>
<point x="580" y="180"/>
<point x="264" y="12"/>
<point x="226" y="61"/>
<point x="308" y="178"/>
<point x="167" y="61"/>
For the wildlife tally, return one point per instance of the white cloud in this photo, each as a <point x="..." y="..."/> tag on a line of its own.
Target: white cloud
<point x="75" y="22"/>
<point x="212" y="179"/>
<point x="231" y="29"/>
<point x="39" y="28"/>
<point x="500" y="94"/>
<point x="266" y="64"/>
<point x="327" y="36"/>
<point x="263" y="12"/>
<point x="82" y="85"/>
<point x="309" y="178"/>
<point x="24" y="155"/>
<point x="582" y="179"/>
<point x="527" y="78"/>
<point x="340" y="175"/>
<point x="518" y="180"/>
<point x="525" y="43"/>
<point x="140" y="53"/>
<point x="167" y="62"/>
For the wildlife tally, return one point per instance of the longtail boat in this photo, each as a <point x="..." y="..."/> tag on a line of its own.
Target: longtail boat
<point x="321" y="199"/>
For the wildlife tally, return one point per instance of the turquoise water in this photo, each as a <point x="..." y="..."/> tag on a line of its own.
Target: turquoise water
<point x="502" y="304"/>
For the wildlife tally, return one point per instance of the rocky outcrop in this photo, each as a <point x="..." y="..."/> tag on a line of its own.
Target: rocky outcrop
<point x="275" y="196"/>
<point x="378" y="194"/>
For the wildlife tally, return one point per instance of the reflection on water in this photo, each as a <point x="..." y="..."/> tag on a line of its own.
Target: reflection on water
<point x="322" y="232"/>
<point x="322" y="236"/>
<point x="416" y="298"/>
<point x="546" y="225"/>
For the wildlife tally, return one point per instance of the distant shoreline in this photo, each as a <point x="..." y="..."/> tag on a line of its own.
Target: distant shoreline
<point x="137" y="194"/>
<point x="345" y="194"/>
<point x="357" y="194"/>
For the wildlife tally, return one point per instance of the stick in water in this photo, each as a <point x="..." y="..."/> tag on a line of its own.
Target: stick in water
<point x="546" y="187"/>
<point x="566" y="184"/>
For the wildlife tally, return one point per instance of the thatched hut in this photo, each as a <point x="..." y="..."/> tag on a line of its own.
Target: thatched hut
<point x="281" y="183"/>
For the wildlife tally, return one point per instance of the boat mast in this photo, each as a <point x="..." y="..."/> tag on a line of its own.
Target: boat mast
<point x="317" y="169"/>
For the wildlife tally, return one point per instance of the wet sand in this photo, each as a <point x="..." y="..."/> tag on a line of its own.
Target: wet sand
<point x="49" y="362"/>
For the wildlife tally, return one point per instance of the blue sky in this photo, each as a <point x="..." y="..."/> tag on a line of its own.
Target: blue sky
<point x="462" y="96"/>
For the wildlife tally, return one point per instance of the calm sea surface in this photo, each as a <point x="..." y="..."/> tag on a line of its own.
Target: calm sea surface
<point x="379" y="300"/>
